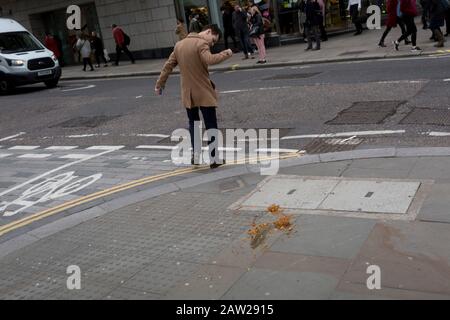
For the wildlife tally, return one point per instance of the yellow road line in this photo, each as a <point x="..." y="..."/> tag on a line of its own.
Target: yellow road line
<point x="132" y="184"/>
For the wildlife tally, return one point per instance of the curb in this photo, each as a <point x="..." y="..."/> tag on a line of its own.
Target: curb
<point x="249" y="67"/>
<point x="86" y="213"/>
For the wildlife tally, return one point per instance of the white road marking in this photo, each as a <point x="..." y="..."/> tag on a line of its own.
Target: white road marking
<point x="437" y="134"/>
<point x="82" y="88"/>
<point x="152" y="135"/>
<point x="344" y="134"/>
<point x="12" y="137"/>
<point x="445" y="80"/>
<point x="103" y="147"/>
<point x="138" y="97"/>
<point x="55" y="170"/>
<point x="87" y="135"/>
<point x="35" y="156"/>
<point x="61" y="148"/>
<point x="255" y="89"/>
<point x="157" y="147"/>
<point x="276" y="150"/>
<point x="23" y="148"/>
<point x="76" y="156"/>
<point x="4" y="155"/>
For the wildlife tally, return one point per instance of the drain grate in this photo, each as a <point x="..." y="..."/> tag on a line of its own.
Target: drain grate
<point x="440" y="117"/>
<point x="293" y="76"/>
<point x="89" y="122"/>
<point x="366" y="112"/>
<point x="332" y="145"/>
<point x="353" y="52"/>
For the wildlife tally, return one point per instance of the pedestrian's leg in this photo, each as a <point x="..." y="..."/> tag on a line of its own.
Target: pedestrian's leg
<point x="97" y="58"/>
<point x="447" y="22"/>
<point x="118" y="52"/>
<point x="129" y="54"/>
<point x="84" y="64"/>
<point x="413" y="32"/>
<point x="210" y="119"/>
<point x="196" y="142"/>
<point x="317" y="35"/>
<point x="225" y="38"/>
<point x="262" y="49"/>
<point x="249" y="45"/>
<point x="90" y="64"/>
<point x="385" y="33"/>
<point x="243" y="44"/>
<point x="309" y="36"/>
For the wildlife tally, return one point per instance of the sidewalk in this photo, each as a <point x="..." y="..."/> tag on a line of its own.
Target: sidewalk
<point x="344" y="47"/>
<point x="188" y="238"/>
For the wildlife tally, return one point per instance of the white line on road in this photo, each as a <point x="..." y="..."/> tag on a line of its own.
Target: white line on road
<point x="104" y="147"/>
<point x="23" y="148"/>
<point x="4" y="155"/>
<point x="157" y="147"/>
<point x="152" y="135"/>
<point x="276" y="150"/>
<point x="87" y="135"/>
<point x="12" y="137"/>
<point x="138" y="97"/>
<point x="437" y="134"/>
<point x="76" y="156"/>
<point x="35" y="156"/>
<point x="61" y="148"/>
<point x="55" y="170"/>
<point x="344" y="134"/>
<point x="82" y="88"/>
<point x="445" y="80"/>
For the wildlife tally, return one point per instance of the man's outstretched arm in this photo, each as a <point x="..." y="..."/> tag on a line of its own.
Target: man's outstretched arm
<point x="170" y="64"/>
<point x="210" y="58"/>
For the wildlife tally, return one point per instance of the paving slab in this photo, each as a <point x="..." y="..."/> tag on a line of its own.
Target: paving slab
<point x="436" y="207"/>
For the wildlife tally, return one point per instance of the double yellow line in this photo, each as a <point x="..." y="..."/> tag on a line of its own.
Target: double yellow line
<point x="132" y="184"/>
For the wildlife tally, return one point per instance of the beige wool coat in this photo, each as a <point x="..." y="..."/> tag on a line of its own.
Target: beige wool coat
<point x="193" y="56"/>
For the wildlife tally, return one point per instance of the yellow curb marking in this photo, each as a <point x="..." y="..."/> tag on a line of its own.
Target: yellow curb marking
<point x="70" y="204"/>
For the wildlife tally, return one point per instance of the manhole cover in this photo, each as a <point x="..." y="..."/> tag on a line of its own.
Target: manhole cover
<point x="89" y="122"/>
<point x="366" y="112"/>
<point x="440" y="117"/>
<point x="292" y="76"/>
<point x="332" y="145"/>
<point x="355" y="197"/>
<point x="353" y="52"/>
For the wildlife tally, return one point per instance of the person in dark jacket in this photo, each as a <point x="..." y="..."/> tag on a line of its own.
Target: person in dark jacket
<point x="227" y="17"/>
<point x="240" y="25"/>
<point x="121" y="44"/>
<point x="392" y="21"/>
<point x="313" y="20"/>
<point x="437" y="18"/>
<point x="97" y="45"/>
<point x="408" y="11"/>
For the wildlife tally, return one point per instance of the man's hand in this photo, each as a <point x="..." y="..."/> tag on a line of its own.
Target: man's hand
<point x="228" y="52"/>
<point x="158" y="90"/>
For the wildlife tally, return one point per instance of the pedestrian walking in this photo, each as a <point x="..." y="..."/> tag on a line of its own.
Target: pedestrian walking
<point x="437" y="11"/>
<point x="84" y="47"/>
<point x="354" y="7"/>
<point x="406" y="9"/>
<point x="122" y="42"/>
<point x="180" y="31"/>
<point x="240" y="24"/>
<point x="227" y="18"/>
<point x="194" y="24"/>
<point x="313" y="20"/>
<point x="99" y="50"/>
<point x="198" y="94"/>
<point x="323" y="32"/>
<point x="52" y="45"/>
<point x="447" y="19"/>
<point x="257" y="33"/>
<point x="392" y="21"/>
<point x="424" y="5"/>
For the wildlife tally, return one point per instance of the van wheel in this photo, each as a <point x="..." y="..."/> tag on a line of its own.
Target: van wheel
<point x="6" y="86"/>
<point x="51" y="83"/>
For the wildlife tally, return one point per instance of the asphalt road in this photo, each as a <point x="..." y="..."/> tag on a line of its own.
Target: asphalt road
<point x="297" y="100"/>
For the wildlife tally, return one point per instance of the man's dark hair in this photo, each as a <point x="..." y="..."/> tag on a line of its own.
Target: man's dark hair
<point x="114" y="25"/>
<point x="214" y="29"/>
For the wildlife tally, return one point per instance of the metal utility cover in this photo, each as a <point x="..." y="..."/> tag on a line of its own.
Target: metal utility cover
<point x="371" y="196"/>
<point x="366" y="112"/>
<point x="428" y="116"/>
<point x="292" y="193"/>
<point x="336" y="194"/>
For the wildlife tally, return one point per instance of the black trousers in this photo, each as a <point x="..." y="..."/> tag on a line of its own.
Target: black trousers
<point x="87" y="61"/>
<point x="411" y="29"/>
<point x="354" y="13"/>
<point x="229" y="33"/>
<point x="99" y="55"/>
<point x="210" y="120"/>
<point x="244" y="37"/>
<point x="124" y="49"/>
<point x="388" y="29"/>
<point x="447" y="21"/>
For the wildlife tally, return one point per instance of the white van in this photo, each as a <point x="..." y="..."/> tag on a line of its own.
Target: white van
<point x="24" y="59"/>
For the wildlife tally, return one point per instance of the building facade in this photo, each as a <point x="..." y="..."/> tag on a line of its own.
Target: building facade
<point x="151" y="23"/>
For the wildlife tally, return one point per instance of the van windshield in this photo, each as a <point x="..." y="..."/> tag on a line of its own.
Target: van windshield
<point x="13" y="42"/>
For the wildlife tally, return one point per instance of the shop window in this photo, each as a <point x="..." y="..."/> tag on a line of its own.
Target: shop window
<point x="198" y="8"/>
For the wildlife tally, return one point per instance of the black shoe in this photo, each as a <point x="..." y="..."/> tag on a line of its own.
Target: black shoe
<point x="446" y="35"/>
<point x="216" y="165"/>
<point x="407" y="42"/>
<point x="308" y="48"/>
<point x="133" y="62"/>
<point x="396" y="44"/>
<point x="381" y="45"/>
<point x="92" y="70"/>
